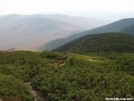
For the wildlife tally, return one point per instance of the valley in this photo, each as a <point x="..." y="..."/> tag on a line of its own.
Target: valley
<point x="33" y="31"/>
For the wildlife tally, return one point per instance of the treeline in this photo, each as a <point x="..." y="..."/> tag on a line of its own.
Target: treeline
<point x="77" y="80"/>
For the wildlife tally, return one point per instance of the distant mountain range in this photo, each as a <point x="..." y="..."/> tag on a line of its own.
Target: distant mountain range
<point x="100" y="43"/>
<point x="124" y="25"/>
<point x="85" y="23"/>
<point x="33" y="31"/>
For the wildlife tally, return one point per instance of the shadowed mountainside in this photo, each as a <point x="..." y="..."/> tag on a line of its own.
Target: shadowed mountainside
<point x="129" y="30"/>
<point x="103" y="43"/>
<point x="112" y="27"/>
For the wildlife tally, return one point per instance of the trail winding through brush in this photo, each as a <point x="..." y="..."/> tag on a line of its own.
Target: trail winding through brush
<point x="38" y="96"/>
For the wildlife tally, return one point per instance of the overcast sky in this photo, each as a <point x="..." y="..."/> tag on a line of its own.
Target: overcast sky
<point x="65" y="6"/>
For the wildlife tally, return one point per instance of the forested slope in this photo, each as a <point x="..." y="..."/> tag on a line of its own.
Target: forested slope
<point x="104" y="43"/>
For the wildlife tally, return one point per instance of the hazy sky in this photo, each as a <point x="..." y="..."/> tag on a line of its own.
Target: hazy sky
<point x="65" y="6"/>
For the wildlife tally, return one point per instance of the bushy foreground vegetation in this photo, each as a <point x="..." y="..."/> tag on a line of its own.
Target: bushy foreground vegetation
<point x="77" y="80"/>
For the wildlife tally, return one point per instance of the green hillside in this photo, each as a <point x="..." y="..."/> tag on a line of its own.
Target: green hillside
<point x="57" y="42"/>
<point x="81" y="78"/>
<point x="104" y="43"/>
<point x="116" y="26"/>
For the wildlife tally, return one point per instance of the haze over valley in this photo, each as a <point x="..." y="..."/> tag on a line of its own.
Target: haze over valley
<point x="33" y="24"/>
<point x="33" y="31"/>
<point x="123" y="25"/>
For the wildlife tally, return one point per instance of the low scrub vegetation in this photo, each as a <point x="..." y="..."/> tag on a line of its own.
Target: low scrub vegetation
<point x="77" y="80"/>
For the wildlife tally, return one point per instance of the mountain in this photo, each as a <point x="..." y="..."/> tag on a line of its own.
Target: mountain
<point x="28" y="32"/>
<point x="116" y="26"/>
<point x="85" y="23"/>
<point x="105" y="43"/>
<point x="58" y="42"/>
<point x="32" y="31"/>
<point x="129" y="30"/>
<point x="9" y="19"/>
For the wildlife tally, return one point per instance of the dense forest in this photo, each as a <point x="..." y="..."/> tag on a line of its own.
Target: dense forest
<point x="81" y="78"/>
<point x="100" y="43"/>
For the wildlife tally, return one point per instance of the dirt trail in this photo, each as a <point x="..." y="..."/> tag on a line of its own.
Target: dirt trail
<point x="91" y="59"/>
<point x="38" y="96"/>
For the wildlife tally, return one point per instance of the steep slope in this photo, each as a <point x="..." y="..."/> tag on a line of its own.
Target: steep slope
<point x="112" y="27"/>
<point x="106" y="42"/>
<point x="129" y="30"/>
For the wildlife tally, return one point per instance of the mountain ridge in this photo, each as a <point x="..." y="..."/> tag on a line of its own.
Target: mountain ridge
<point x="100" y="43"/>
<point x="32" y="31"/>
<point x="112" y="27"/>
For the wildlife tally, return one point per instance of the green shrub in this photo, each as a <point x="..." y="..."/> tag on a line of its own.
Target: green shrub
<point x="51" y="55"/>
<point x="11" y="88"/>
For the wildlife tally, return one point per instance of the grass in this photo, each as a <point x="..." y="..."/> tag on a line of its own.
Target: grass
<point x="89" y="58"/>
